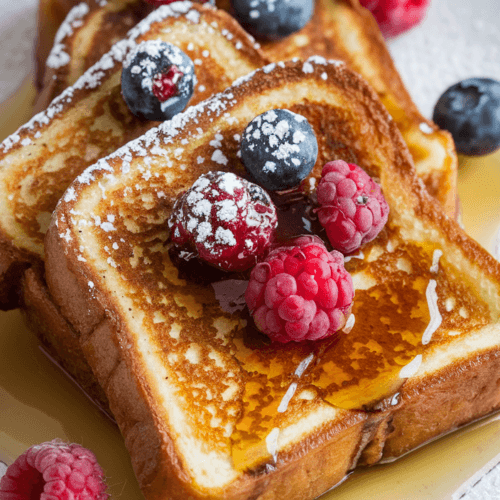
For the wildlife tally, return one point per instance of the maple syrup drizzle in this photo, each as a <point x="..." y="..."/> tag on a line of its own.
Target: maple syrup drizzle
<point x="354" y="370"/>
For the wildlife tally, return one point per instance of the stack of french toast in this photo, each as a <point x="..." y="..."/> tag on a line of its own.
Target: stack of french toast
<point x="207" y="405"/>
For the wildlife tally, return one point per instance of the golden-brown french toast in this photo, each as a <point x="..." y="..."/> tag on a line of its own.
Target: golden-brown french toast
<point x="90" y="120"/>
<point x="202" y="399"/>
<point x="88" y="32"/>
<point x="339" y="29"/>
<point x="51" y="14"/>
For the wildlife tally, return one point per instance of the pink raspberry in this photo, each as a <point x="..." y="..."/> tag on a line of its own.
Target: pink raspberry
<point x="226" y="220"/>
<point x="396" y="16"/>
<point x="300" y="292"/>
<point x="54" y="471"/>
<point x="353" y="208"/>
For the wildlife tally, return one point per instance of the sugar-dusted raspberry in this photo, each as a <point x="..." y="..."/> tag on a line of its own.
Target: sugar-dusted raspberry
<point x="353" y="208"/>
<point x="226" y="220"/>
<point x="300" y="292"/>
<point x="396" y="16"/>
<point x="54" y="471"/>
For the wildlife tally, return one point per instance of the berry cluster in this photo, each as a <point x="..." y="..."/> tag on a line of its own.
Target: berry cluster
<point x="300" y="292"/>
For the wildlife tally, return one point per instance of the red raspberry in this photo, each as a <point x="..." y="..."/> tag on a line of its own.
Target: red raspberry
<point x="353" y="208"/>
<point x="396" y="16"/>
<point x="300" y="292"/>
<point x="165" y="84"/>
<point x="227" y="220"/>
<point x="54" y="471"/>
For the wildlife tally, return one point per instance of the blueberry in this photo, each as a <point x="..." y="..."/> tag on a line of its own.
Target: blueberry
<point x="470" y="110"/>
<point x="157" y="80"/>
<point x="272" y="19"/>
<point x="279" y="149"/>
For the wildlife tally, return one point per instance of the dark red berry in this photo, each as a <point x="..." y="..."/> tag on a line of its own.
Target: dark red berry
<point x="396" y="16"/>
<point x="226" y="220"/>
<point x="353" y="208"/>
<point x="300" y="292"/>
<point x="165" y="85"/>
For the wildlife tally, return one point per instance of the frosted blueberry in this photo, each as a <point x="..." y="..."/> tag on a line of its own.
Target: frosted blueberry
<point x="272" y="19"/>
<point x="279" y="149"/>
<point x="157" y="80"/>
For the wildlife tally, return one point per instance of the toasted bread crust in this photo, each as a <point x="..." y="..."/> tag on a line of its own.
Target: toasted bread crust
<point x="51" y="14"/>
<point x="91" y="120"/>
<point x="367" y="443"/>
<point x="339" y="29"/>
<point x="57" y="335"/>
<point x="13" y="263"/>
<point x="103" y="345"/>
<point x="85" y="49"/>
<point x="423" y="410"/>
<point x="456" y="395"/>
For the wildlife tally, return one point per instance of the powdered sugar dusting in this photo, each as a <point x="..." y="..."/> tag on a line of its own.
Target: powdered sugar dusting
<point x="282" y="143"/>
<point x="96" y="74"/>
<point x="151" y="142"/>
<point x="58" y="56"/>
<point x="216" y="218"/>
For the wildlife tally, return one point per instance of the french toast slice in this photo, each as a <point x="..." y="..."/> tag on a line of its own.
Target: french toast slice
<point x="196" y="390"/>
<point x="339" y="29"/>
<point x="51" y="14"/>
<point x="90" y="120"/>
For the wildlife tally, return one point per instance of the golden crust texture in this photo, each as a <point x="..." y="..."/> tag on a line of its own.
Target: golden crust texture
<point x="91" y="120"/>
<point x="186" y="375"/>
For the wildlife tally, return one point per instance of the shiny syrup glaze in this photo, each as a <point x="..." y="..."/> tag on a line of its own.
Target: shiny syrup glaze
<point x="352" y="370"/>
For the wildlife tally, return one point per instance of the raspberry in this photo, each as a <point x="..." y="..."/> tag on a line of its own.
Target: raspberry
<point x="54" y="471"/>
<point x="165" y="84"/>
<point x="396" y="16"/>
<point x="300" y="292"/>
<point x="353" y="208"/>
<point x="226" y="220"/>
